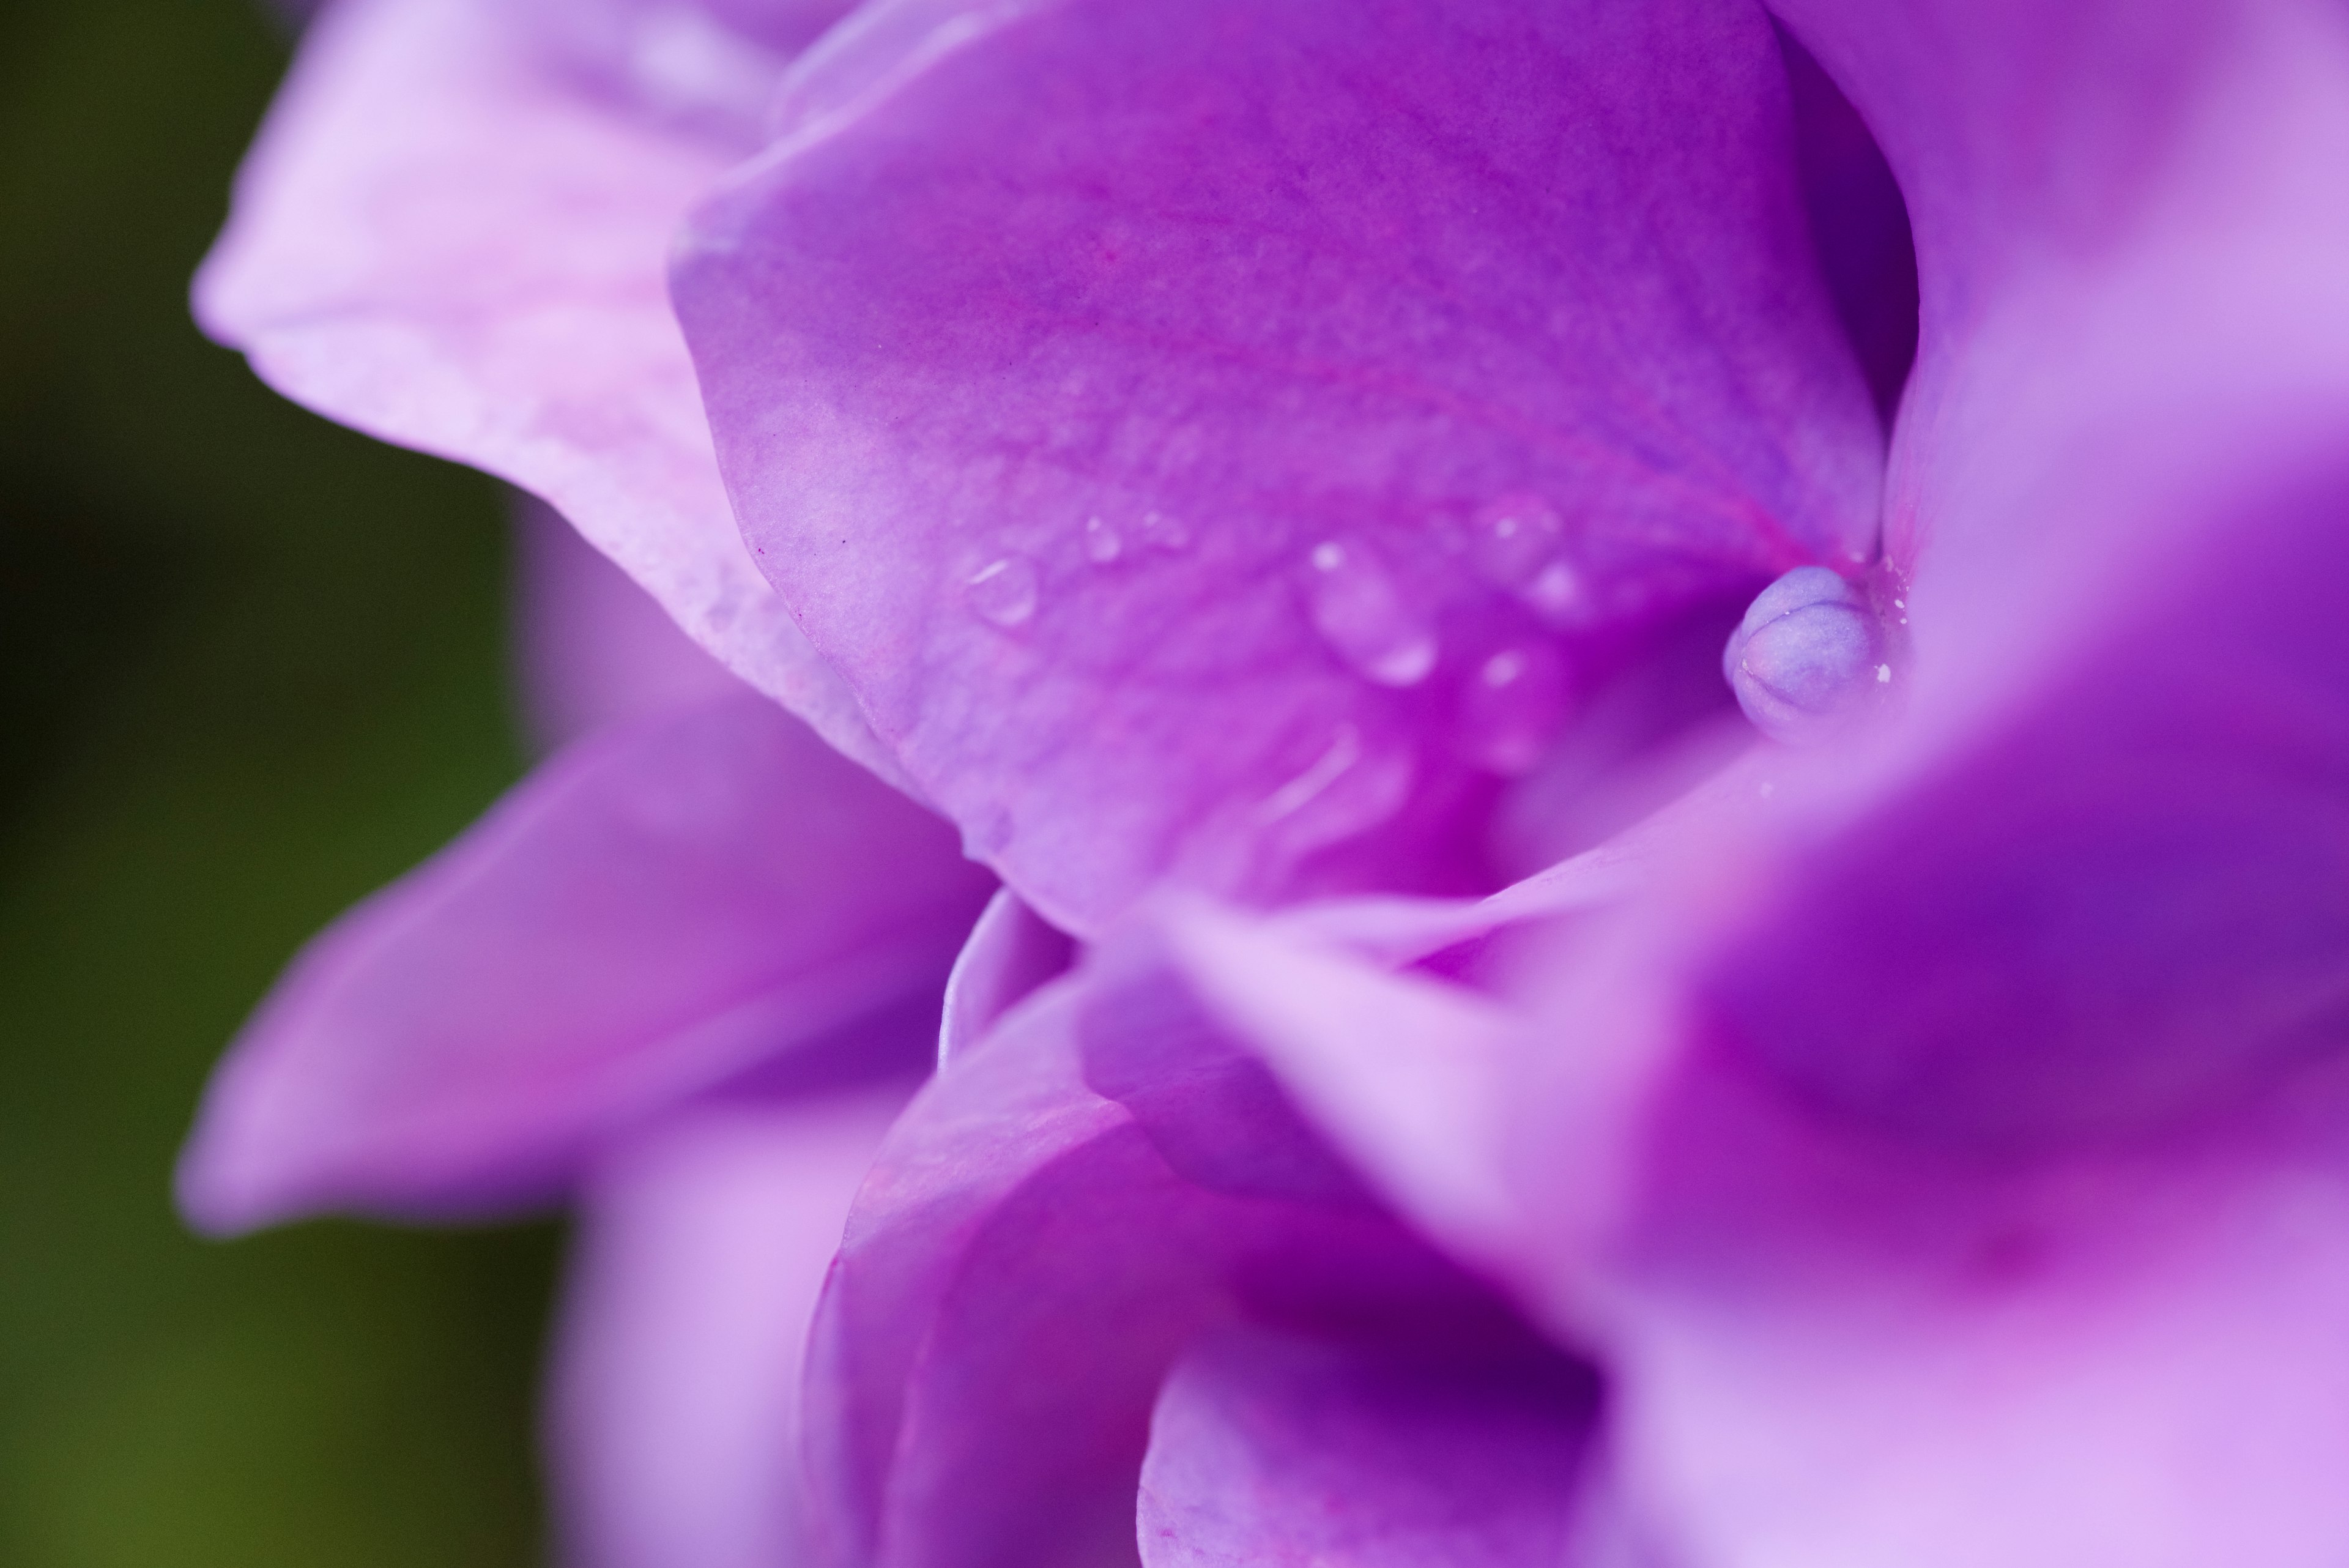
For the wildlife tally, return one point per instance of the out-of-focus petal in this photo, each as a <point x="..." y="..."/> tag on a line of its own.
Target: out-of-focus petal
<point x="595" y="650"/>
<point x="2122" y="212"/>
<point x="1273" y="1448"/>
<point x="1097" y="381"/>
<point x="1019" y="1272"/>
<point x="441" y="240"/>
<point x="652" y="912"/>
<point x="702" y="1244"/>
<point x="711" y="65"/>
<point x="1012" y="951"/>
<point x="1833" y="1350"/>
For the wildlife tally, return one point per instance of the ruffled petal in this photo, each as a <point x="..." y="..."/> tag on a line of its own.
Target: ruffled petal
<point x="443" y="241"/>
<point x="1025" y="1264"/>
<point x="651" y="913"/>
<point x="1012" y="951"/>
<point x="1274" y="1448"/>
<point x="702" y="1244"/>
<point x="1220" y="441"/>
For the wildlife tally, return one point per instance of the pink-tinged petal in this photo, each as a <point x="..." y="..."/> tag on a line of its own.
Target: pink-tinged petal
<point x="702" y="1244"/>
<point x="654" y="911"/>
<point x="712" y="65"/>
<point x="441" y="240"/>
<point x="1021" y="1271"/>
<point x="1277" y="1451"/>
<point x="596" y="651"/>
<point x="1199" y="464"/>
<point x="1011" y="953"/>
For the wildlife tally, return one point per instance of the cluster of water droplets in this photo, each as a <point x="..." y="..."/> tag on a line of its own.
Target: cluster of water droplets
<point x="1006" y="591"/>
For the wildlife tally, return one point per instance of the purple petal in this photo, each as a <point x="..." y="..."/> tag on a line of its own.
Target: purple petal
<point x="1012" y="951"/>
<point x="596" y="651"/>
<point x="652" y="912"/>
<point x="1276" y="1450"/>
<point x="2122" y="212"/>
<point x="441" y="240"/>
<point x="1838" y="1353"/>
<point x="1018" y="1274"/>
<point x="711" y="65"/>
<point x="1196" y="464"/>
<point x="1861" y="226"/>
<point x="703" y="1246"/>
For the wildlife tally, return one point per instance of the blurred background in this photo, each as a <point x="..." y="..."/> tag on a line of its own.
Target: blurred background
<point x="251" y="667"/>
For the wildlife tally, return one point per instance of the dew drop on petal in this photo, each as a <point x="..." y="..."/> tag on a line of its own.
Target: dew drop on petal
<point x="1101" y="543"/>
<point x="1511" y="707"/>
<point x="1004" y="592"/>
<point x="1160" y="532"/>
<point x="1513" y="540"/>
<point x="1360" y="613"/>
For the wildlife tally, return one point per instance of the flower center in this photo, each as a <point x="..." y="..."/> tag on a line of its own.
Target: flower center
<point x="1808" y="658"/>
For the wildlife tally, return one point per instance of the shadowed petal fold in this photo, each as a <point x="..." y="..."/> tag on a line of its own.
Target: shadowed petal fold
<point x="1274" y="1448"/>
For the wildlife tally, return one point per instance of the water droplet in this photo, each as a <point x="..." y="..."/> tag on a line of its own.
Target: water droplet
<point x="1003" y="593"/>
<point x="1101" y="543"/>
<point x="1160" y="532"/>
<point x="1806" y="657"/>
<point x="1359" y="610"/>
<point x="1511" y="706"/>
<point x="1345" y="750"/>
<point x="1559" y="593"/>
<point x="1513" y="539"/>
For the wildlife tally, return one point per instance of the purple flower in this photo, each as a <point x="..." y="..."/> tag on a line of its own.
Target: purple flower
<point x="1244" y="465"/>
<point x="683" y="975"/>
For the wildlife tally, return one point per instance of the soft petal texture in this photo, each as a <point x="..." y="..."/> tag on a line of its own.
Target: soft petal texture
<point x="1012" y="951"/>
<point x="594" y="649"/>
<point x="1021" y="1269"/>
<point x="2125" y="213"/>
<point x="1833" y="1350"/>
<point x="441" y="241"/>
<point x="1276" y="1451"/>
<point x="712" y="64"/>
<point x="1094" y="379"/>
<point x="654" y="911"/>
<point x="702" y="1244"/>
<point x="1829" y="1348"/>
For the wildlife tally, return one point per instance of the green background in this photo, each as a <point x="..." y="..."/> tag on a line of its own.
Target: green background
<point x="250" y="666"/>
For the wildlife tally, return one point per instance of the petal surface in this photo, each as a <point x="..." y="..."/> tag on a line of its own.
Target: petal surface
<point x="1831" y="1349"/>
<point x="594" y="649"/>
<point x="702" y="1244"/>
<point x="1281" y="1451"/>
<point x="1012" y="951"/>
<point x="442" y="240"/>
<point x="1166" y="421"/>
<point x="653" y="912"/>
<point x="1020" y="1272"/>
